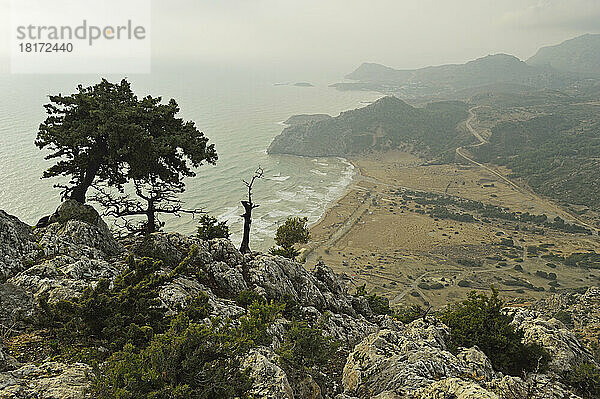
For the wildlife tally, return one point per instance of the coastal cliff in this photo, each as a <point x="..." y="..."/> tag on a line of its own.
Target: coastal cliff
<point x="388" y="123"/>
<point x="75" y="262"/>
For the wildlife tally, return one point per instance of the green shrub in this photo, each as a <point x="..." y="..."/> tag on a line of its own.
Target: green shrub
<point x="408" y="314"/>
<point x="127" y="312"/>
<point x="289" y="253"/>
<point x="293" y="231"/>
<point x="252" y="330"/>
<point x="188" y="361"/>
<point x="209" y="228"/>
<point x="307" y="346"/>
<point x="479" y="320"/>
<point x="565" y="317"/>
<point x="378" y="304"/>
<point x="247" y="298"/>
<point x="585" y="378"/>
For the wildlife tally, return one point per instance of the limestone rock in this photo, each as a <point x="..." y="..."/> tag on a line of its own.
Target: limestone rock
<point x="278" y="276"/>
<point x="406" y="360"/>
<point x="75" y="238"/>
<point x="387" y="395"/>
<point x="50" y="380"/>
<point x="269" y="381"/>
<point x="64" y="277"/>
<point x="454" y="388"/>
<point x="536" y="386"/>
<point x="171" y="248"/>
<point x="16" y="304"/>
<point x="18" y="246"/>
<point x="564" y="347"/>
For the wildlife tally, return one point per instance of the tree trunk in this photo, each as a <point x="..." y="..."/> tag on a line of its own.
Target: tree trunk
<point x="79" y="191"/>
<point x="151" y="224"/>
<point x="245" y="247"/>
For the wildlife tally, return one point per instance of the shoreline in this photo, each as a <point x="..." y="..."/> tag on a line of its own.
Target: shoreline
<point x="349" y="187"/>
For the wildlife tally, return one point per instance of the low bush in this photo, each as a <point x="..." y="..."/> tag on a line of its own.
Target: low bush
<point x="378" y="304"/>
<point x="479" y="320"/>
<point x="585" y="379"/>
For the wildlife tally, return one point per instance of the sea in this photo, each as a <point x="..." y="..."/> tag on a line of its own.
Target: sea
<point x="239" y="110"/>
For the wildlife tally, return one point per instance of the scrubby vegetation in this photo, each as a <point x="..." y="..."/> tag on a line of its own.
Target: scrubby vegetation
<point x="139" y="351"/>
<point x="293" y="231"/>
<point x="555" y="152"/>
<point x="385" y="124"/>
<point x="457" y="208"/>
<point x="209" y="227"/>
<point x="585" y="378"/>
<point x="479" y="320"/>
<point x="408" y="314"/>
<point x="377" y="303"/>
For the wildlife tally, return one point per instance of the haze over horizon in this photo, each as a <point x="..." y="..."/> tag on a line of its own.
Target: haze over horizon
<point x="332" y="38"/>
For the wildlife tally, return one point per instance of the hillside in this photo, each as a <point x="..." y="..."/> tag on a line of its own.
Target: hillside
<point x="168" y="315"/>
<point x="549" y="139"/>
<point x="580" y="55"/>
<point x="388" y="123"/>
<point x="444" y="80"/>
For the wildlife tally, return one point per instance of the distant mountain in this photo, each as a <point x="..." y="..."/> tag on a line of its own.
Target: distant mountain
<point x="448" y="79"/>
<point x="388" y="123"/>
<point x="378" y="73"/>
<point x="305" y="118"/>
<point x="580" y="55"/>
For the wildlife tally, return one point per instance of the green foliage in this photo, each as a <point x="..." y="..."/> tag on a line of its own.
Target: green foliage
<point x="555" y="152"/>
<point x="378" y="304"/>
<point x="565" y="317"/>
<point x="209" y="228"/>
<point x="127" y="312"/>
<point x="479" y="320"/>
<point x="306" y="346"/>
<point x="408" y="314"/>
<point x="188" y="361"/>
<point x="253" y="326"/>
<point x="104" y="136"/>
<point x="247" y="298"/>
<point x="431" y="129"/>
<point x="86" y="133"/>
<point x="293" y="231"/>
<point x="290" y="253"/>
<point x="585" y="378"/>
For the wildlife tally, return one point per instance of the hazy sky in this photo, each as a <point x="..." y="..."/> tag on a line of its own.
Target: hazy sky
<point x="337" y="35"/>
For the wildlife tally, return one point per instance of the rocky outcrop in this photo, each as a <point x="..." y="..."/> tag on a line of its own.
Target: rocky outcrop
<point x="407" y="359"/>
<point x="582" y="310"/>
<point x="77" y="250"/>
<point x="269" y="381"/>
<point x="18" y="246"/>
<point x="49" y="380"/>
<point x="454" y="388"/>
<point x="16" y="304"/>
<point x="386" y="358"/>
<point x="565" y="349"/>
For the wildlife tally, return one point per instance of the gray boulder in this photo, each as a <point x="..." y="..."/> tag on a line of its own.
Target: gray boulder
<point x="565" y="349"/>
<point x="406" y="360"/>
<point x="49" y="380"/>
<point x="18" y="246"/>
<point x="16" y="304"/>
<point x="269" y="381"/>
